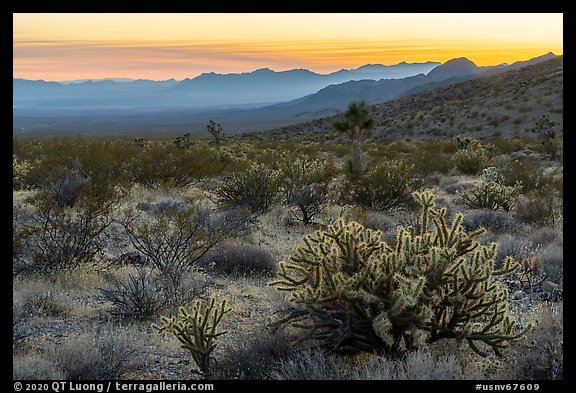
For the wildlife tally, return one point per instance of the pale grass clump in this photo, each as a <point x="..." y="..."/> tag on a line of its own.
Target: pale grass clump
<point x="313" y="364"/>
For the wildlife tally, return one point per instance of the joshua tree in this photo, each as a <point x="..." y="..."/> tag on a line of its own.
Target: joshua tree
<point x="217" y="133"/>
<point x="355" y="121"/>
<point x="545" y="128"/>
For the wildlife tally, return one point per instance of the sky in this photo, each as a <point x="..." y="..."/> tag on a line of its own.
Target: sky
<point x="67" y="46"/>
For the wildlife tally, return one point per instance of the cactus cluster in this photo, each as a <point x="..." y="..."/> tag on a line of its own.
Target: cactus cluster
<point x="197" y="331"/>
<point x="491" y="195"/>
<point x="436" y="282"/>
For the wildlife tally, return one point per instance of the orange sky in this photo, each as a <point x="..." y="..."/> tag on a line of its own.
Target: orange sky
<point x="163" y="46"/>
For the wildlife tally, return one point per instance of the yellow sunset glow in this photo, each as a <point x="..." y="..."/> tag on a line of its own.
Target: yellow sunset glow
<point x="161" y="46"/>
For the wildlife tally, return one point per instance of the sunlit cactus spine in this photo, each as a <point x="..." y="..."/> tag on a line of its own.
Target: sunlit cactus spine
<point x="197" y="332"/>
<point x="435" y="282"/>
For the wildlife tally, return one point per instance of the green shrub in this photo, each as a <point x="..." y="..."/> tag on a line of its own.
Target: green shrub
<point x="256" y="188"/>
<point x="491" y="195"/>
<point x="305" y="185"/>
<point x="385" y="187"/>
<point x="471" y="158"/>
<point x="531" y="174"/>
<point x="161" y="165"/>
<point x="361" y="294"/>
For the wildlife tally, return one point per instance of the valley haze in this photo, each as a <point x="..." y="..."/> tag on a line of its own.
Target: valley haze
<point x="252" y="101"/>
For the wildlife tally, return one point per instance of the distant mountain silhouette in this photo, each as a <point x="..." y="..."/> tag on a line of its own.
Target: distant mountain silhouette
<point x="335" y="98"/>
<point x="240" y="102"/>
<point x="256" y="88"/>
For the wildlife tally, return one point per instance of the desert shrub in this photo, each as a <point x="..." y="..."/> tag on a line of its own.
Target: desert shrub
<point x="162" y="165"/>
<point x="173" y="242"/>
<point x="310" y="365"/>
<point x="138" y="296"/>
<point x="530" y="173"/>
<point x="539" y="209"/>
<point x="53" y="237"/>
<point x="20" y="173"/>
<point x="377" y="220"/>
<point x="361" y="294"/>
<point x="74" y="205"/>
<point x="497" y="221"/>
<point x="514" y="246"/>
<point x="197" y="332"/>
<point x="241" y="261"/>
<point x="544" y="236"/>
<point x="253" y="354"/>
<point x="314" y="364"/>
<point x="491" y="195"/>
<point x="80" y="166"/>
<point x="38" y="298"/>
<point x="35" y="367"/>
<point x="471" y="158"/>
<point x="508" y="145"/>
<point x="384" y="187"/>
<point x="541" y="357"/>
<point x="552" y="260"/>
<point x="256" y="188"/>
<point x="305" y="186"/>
<point x="431" y="159"/>
<point x="103" y="355"/>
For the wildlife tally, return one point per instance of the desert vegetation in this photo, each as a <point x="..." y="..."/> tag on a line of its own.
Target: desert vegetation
<point x="177" y="258"/>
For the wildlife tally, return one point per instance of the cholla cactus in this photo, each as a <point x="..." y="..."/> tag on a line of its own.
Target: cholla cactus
<point x="491" y="195"/>
<point x="362" y="294"/>
<point x="492" y="174"/>
<point x="197" y="331"/>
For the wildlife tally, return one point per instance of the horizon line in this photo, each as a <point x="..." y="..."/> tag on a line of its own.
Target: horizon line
<point x="111" y="78"/>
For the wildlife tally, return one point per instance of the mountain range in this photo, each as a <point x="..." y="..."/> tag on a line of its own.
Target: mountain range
<point x="257" y="100"/>
<point x="259" y="87"/>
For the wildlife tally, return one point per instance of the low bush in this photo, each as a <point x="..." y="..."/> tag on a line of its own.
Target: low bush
<point x="305" y="186"/>
<point x="251" y="358"/>
<point x="256" y="188"/>
<point x="241" y="260"/>
<point x="314" y="364"/>
<point x="539" y="209"/>
<point x="385" y="187"/>
<point x="99" y="355"/>
<point x="471" y="158"/>
<point x="542" y="356"/>
<point x="35" y="367"/>
<point x="139" y="295"/>
<point x="173" y="242"/>
<point x="497" y="221"/>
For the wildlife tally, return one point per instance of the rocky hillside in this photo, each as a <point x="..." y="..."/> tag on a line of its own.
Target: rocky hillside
<point x="505" y="104"/>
